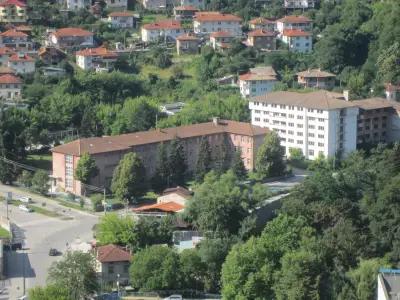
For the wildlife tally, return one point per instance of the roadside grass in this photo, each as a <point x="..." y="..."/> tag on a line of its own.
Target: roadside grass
<point x="70" y="204"/>
<point x="4" y="234"/>
<point x="41" y="161"/>
<point x="37" y="209"/>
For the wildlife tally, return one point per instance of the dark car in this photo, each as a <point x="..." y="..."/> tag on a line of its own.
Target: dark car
<point x="53" y="252"/>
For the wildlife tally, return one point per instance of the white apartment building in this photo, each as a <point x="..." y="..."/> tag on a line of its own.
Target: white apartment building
<point x="165" y="29"/>
<point x="293" y="22"/>
<point x="21" y="63"/>
<point x="200" y="4"/>
<point x="297" y="40"/>
<point x="122" y="19"/>
<point x="77" y="4"/>
<point x="317" y="123"/>
<point x="117" y="4"/>
<point x="257" y="82"/>
<point x="211" y="21"/>
<point x="299" y="4"/>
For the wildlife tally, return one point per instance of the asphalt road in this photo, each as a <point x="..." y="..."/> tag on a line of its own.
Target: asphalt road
<point x="40" y="233"/>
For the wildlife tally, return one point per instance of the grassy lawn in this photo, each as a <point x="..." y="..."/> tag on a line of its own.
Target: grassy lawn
<point x="151" y="18"/>
<point x="41" y="161"/>
<point x="4" y="234"/>
<point x="150" y="69"/>
<point x="37" y="209"/>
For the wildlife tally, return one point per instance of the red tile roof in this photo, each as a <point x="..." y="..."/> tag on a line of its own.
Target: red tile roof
<point x="259" y="73"/>
<point x="101" y="51"/>
<point x="121" y="14"/>
<point x="294" y="19"/>
<point x="295" y="32"/>
<point x="20" y="57"/>
<point x="261" y="32"/>
<point x="10" y="79"/>
<point x="167" y="207"/>
<point x="213" y="16"/>
<point x="261" y="21"/>
<point x="13" y="33"/>
<point x="178" y="190"/>
<point x="187" y="37"/>
<point x="124" y="142"/>
<point x="112" y="253"/>
<point x="12" y="2"/>
<point x="222" y="34"/>
<point x="163" y="24"/>
<point x="71" y="31"/>
<point x="315" y="73"/>
<point x="186" y="8"/>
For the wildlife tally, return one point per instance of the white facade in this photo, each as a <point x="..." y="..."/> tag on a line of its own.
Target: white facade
<point x="152" y="35"/>
<point x="300" y="43"/>
<point x="77" y="4"/>
<point x="314" y="131"/>
<point x="200" y="4"/>
<point x="120" y="21"/>
<point x="299" y="4"/>
<point x="154" y="4"/>
<point x="117" y="4"/>
<point x="21" y="66"/>
<point x="208" y="22"/>
<point x="252" y="88"/>
<point x="292" y="22"/>
<point x="10" y="91"/>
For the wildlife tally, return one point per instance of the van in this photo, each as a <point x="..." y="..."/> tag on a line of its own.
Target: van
<point x="25" y="199"/>
<point x="25" y="208"/>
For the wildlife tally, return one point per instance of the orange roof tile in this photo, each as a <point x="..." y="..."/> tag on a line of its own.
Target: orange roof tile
<point x="13" y="33"/>
<point x="121" y="14"/>
<point x="294" y="19"/>
<point x="213" y="16"/>
<point x="261" y="32"/>
<point x="315" y="73"/>
<point x="163" y="24"/>
<point x="168" y="207"/>
<point x="10" y="79"/>
<point x="101" y="51"/>
<point x="112" y="253"/>
<point x="295" y="32"/>
<point x="187" y="37"/>
<point x="71" y="31"/>
<point x="12" y="2"/>
<point x="20" y="57"/>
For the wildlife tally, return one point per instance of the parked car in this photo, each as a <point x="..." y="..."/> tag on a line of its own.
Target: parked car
<point x="25" y="199"/>
<point x="174" y="297"/>
<point x="54" y="252"/>
<point x="25" y="208"/>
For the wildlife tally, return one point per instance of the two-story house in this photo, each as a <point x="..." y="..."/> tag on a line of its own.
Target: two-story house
<point x="316" y="78"/>
<point x="16" y="40"/>
<point x="185" y="12"/>
<point x="51" y="55"/>
<point x="297" y="40"/>
<point x="187" y="44"/>
<point x="261" y="39"/>
<point x="96" y="58"/>
<point x="21" y="63"/>
<point x="71" y="38"/>
<point x="167" y="30"/>
<point x="294" y="22"/>
<point x="13" y="11"/>
<point x="155" y="5"/>
<point x="78" y="4"/>
<point x="5" y="54"/>
<point x="212" y="21"/>
<point x="116" y="4"/>
<point x="258" y="81"/>
<point x="122" y="19"/>
<point x="221" y="40"/>
<point x="262" y="23"/>
<point x="10" y="87"/>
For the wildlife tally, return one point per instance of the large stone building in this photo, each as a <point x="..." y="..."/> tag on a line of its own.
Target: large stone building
<point x="223" y="136"/>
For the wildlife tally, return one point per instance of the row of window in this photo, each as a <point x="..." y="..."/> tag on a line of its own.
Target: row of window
<point x="289" y="107"/>
<point x="301" y="142"/>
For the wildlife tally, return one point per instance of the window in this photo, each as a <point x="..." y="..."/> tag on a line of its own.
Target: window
<point x="311" y="126"/>
<point x="311" y="135"/>
<point x="291" y="124"/>
<point x="321" y="120"/>
<point x="320" y="111"/>
<point x="257" y="111"/>
<point x="300" y="109"/>
<point x="300" y="117"/>
<point x="291" y="116"/>
<point x="266" y="112"/>
<point x="311" y="143"/>
<point x="321" y="128"/>
<point x="299" y="125"/>
<point x="276" y="114"/>
<point x="291" y="140"/>
<point x="321" y="136"/>
<point x="68" y="182"/>
<point x="320" y="144"/>
<point x="310" y="110"/>
<point x="68" y="159"/>
<point x="282" y="106"/>
<point x="257" y="119"/>
<point x="299" y="142"/>
<point x="266" y="120"/>
<point x="283" y="123"/>
<point x="311" y="119"/>
<point x="290" y="132"/>
<point x="110" y="269"/>
<point x="283" y="115"/>
<point x="299" y="134"/>
<point x="311" y="152"/>
<point x="274" y="105"/>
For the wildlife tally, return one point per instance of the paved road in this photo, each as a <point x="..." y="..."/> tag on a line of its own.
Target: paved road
<point x="288" y="183"/>
<point x="40" y="233"/>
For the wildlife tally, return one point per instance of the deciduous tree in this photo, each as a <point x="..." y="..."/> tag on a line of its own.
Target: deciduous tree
<point x="269" y="160"/>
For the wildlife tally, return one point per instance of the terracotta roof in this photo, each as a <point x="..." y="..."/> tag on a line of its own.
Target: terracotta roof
<point x="121" y="14"/>
<point x="295" y="32"/>
<point x="261" y="32"/>
<point x="112" y="253"/>
<point x="315" y="73"/>
<point x="20" y="57"/>
<point x="294" y="19"/>
<point x="167" y="207"/>
<point x="163" y="24"/>
<point x="44" y="50"/>
<point x="13" y="33"/>
<point x="260" y="73"/>
<point x="72" y="31"/>
<point x="222" y="34"/>
<point x="6" y="70"/>
<point x="187" y="37"/>
<point x="375" y="103"/>
<point x="124" y="142"/>
<point x="12" y="2"/>
<point x="186" y="8"/>
<point x="101" y="51"/>
<point x="261" y="21"/>
<point x="6" y="50"/>
<point x="212" y="16"/>
<point x="316" y="100"/>
<point x="179" y="190"/>
<point x="9" y="78"/>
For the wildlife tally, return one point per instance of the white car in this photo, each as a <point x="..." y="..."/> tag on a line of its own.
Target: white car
<point x="25" y="199"/>
<point x="25" y="208"/>
<point x="174" y="297"/>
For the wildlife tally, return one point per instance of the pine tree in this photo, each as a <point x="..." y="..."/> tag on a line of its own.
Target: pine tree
<point x="177" y="163"/>
<point x="238" y="165"/>
<point x="162" y="177"/>
<point x="221" y="159"/>
<point x="204" y="160"/>
<point x="269" y="161"/>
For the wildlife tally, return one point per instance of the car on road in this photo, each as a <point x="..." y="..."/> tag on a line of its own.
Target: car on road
<point x="25" y="199"/>
<point x="25" y="208"/>
<point x="174" y="297"/>
<point x="54" y="252"/>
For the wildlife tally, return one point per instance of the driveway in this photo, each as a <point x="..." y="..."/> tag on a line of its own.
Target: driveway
<point x="40" y="233"/>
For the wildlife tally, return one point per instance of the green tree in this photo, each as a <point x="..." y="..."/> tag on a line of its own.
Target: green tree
<point x="162" y="177"/>
<point x="269" y="160"/>
<point x="26" y="178"/>
<point x="388" y="64"/>
<point x="177" y="163"/>
<point x="49" y="292"/>
<point x="193" y="269"/>
<point x="86" y="168"/>
<point x="238" y="167"/>
<point x="129" y="179"/>
<point x="76" y="273"/>
<point x="40" y="182"/>
<point x="155" y="268"/>
<point x="153" y="230"/>
<point x="114" y="229"/>
<point x="203" y="164"/>
<point x="7" y="172"/>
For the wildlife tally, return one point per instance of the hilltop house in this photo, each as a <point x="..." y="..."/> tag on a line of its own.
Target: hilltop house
<point x="258" y="81"/>
<point x="262" y="23"/>
<point x="261" y="39"/>
<point x="299" y="4"/>
<point x="116" y="4"/>
<point x="221" y="39"/>
<point x="185" y="12"/>
<point x="212" y="21"/>
<point x="21" y="63"/>
<point x="294" y="23"/>
<point x="165" y="29"/>
<point x="13" y="11"/>
<point x="315" y="78"/>
<point x="71" y="38"/>
<point x="51" y="55"/>
<point x="5" y="54"/>
<point x="187" y="44"/>
<point x="10" y="87"/>
<point x="122" y="19"/>
<point x="96" y="58"/>
<point x="17" y="40"/>
<point x="156" y="5"/>
<point x="297" y="40"/>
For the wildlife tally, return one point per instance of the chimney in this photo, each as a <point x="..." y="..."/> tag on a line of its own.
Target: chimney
<point x="216" y="121"/>
<point x="346" y="95"/>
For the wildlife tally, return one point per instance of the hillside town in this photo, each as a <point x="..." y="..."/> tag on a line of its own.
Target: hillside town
<point x="199" y="149"/>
